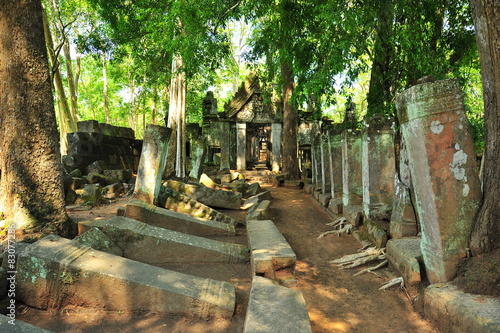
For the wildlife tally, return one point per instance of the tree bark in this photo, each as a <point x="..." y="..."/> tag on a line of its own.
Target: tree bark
<point x="105" y="86"/>
<point x="31" y="189"/>
<point x="289" y="161"/>
<point x="176" y="155"/>
<point x="486" y="234"/>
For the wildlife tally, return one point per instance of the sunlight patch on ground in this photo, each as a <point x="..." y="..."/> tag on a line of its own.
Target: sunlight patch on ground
<point x="326" y="324"/>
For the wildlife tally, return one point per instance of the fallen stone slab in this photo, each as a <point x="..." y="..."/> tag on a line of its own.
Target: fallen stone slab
<point x="8" y="325"/>
<point x="177" y="202"/>
<point x="324" y="199"/>
<point x="256" y="199"/>
<point x="164" y="218"/>
<point x="405" y="256"/>
<point x="463" y="312"/>
<point x="259" y="212"/>
<point x="152" y="245"/>
<point x="98" y="240"/>
<point x="56" y="272"/>
<point x="335" y="206"/>
<point x="269" y="249"/>
<point x="274" y="308"/>
<point x="207" y="195"/>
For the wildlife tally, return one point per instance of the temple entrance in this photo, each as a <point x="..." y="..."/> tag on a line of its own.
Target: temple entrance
<point x="259" y="146"/>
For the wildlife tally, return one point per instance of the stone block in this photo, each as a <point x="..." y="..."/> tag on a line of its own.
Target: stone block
<point x="89" y="126"/>
<point x="443" y="170"/>
<point x="207" y="181"/>
<point x="273" y="308"/>
<point x="206" y="195"/>
<point x="152" y="163"/>
<point x="256" y="199"/>
<point x="353" y="214"/>
<point x="56" y="272"/>
<point x="253" y="189"/>
<point x="335" y="206"/>
<point x="98" y="240"/>
<point x="406" y="258"/>
<point x="164" y="218"/>
<point x="376" y="232"/>
<point x="98" y="166"/>
<point x="117" y="176"/>
<point x="153" y="245"/>
<point x="324" y="199"/>
<point x="463" y="312"/>
<point x="309" y="188"/>
<point x="269" y="249"/>
<point x="89" y="195"/>
<point x="403" y="218"/>
<point x="259" y="212"/>
<point x="177" y="202"/>
<point x="95" y="178"/>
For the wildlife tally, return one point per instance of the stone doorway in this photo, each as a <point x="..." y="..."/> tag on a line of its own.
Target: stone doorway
<point x="259" y="146"/>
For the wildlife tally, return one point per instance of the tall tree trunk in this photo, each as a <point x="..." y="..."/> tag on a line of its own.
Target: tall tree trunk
<point x="379" y="94"/>
<point x="105" y="86"/>
<point x="176" y="156"/>
<point x="67" y="123"/>
<point x="132" y="122"/>
<point x="71" y="79"/>
<point x="486" y="14"/>
<point x="289" y="161"/>
<point x="31" y="189"/>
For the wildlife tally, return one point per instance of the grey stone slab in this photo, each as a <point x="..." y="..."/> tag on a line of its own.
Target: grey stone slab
<point x="405" y="256"/>
<point x="269" y="249"/>
<point x="164" y="218"/>
<point x="8" y="325"/>
<point x="259" y="212"/>
<point x="145" y="243"/>
<point x="55" y="272"/>
<point x="452" y="310"/>
<point x="275" y="309"/>
<point x="98" y="240"/>
<point x="324" y="199"/>
<point x="256" y="199"/>
<point x="207" y="195"/>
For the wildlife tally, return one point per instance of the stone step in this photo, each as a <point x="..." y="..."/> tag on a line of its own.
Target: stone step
<point x="269" y="250"/>
<point x="405" y="256"/>
<point x="55" y="272"/>
<point x="145" y="243"/>
<point x="259" y="212"/>
<point x="164" y="218"/>
<point x="274" y="308"/>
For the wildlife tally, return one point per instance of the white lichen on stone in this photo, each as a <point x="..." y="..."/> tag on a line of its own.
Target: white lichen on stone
<point x="436" y="127"/>
<point x="466" y="190"/>
<point x="457" y="165"/>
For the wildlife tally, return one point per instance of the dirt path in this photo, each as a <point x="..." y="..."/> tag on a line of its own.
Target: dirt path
<point x="336" y="301"/>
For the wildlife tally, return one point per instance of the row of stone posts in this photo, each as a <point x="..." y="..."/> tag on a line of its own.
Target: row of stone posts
<point x="424" y="183"/>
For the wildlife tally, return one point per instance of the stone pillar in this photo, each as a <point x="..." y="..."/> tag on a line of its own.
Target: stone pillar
<point x="443" y="171"/>
<point x="152" y="163"/>
<point x="224" y="146"/>
<point x="197" y="162"/>
<point x="325" y="163"/>
<point x="378" y="163"/>
<point x="335" y="155"/>
<point x="241" y="146"/>
<point x="352" y="191"/>
<point x="276" y="146"/>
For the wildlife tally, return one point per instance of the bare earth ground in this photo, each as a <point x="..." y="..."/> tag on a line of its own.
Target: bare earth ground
<point x="336" y="301"/>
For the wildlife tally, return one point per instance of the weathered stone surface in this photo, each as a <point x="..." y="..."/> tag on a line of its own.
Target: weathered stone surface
<point x="324" y="198"/>
<point x="256" y="199"/>
<point x="76" y="173"/>
<point x="335" y="206"/>
<point x="152" y="163"/>
<point x="443" y="171"/>
<point x="376" y="232"/>
<point x="269" y="249"/>
<point x="89" y="195"/>
<point x="463" y="312"/>
<point x="164" y="218"/>
<point x="274" y="308"/>
<point x="353" y="214"/>
<point x="259" y="212"/>
<point x="405" y="257"/>
<point x="3" y="282"/>
<point x="19" y="326"/>
<point x="153" y="245"/>
<point x="98" y="240"/>
<point x="253" y="189"/>
<point x="335" y="160"/>
<point x="206" y="195"/>
<point x="112" y="191"/>
<point x="352" y="188"/>
<point x="97" y="167"/>
<point x="403" y="219"/>
<point x="207" y="181"/>
<point x="238" y="185"/>
<point x="13" y="248"/>
<point x="177" y="202"/>
<point x="57" y="272"/>
<point x="117" y="176"/>
<point x="88" y="126"/>
<point x="95" y="178"/>
<point x="378" y="162"/>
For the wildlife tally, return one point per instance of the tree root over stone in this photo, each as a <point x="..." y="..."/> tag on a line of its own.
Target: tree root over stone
<point x="342" y="227"/>
<point x="358" y="259"/>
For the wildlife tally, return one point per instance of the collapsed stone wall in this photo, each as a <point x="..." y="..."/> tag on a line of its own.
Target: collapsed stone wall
<point x="114" y="145"/>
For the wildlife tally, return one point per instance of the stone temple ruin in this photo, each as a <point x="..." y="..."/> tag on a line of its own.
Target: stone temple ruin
<point x="415" y="202"/>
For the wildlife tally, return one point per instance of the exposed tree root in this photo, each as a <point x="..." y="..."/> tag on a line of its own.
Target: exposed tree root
<point x="393" y="282"/>
<point x="373" y="268"/>
<point x="342" y="227"/>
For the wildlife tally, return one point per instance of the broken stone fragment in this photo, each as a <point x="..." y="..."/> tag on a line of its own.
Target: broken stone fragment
<point x="117" y="176"/>
<point x="89" y="195"/>
<point x="95" y="178"/>
<point x="98" y="240"/>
